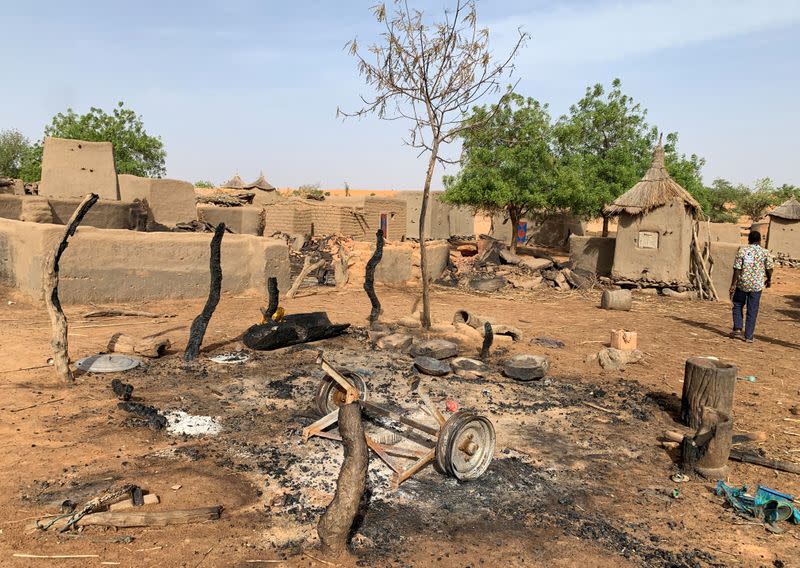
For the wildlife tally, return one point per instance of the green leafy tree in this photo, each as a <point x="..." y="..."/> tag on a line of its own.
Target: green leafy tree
<point x="786" y="191"/>
<point x="604" y="140"/>
<point x="721" y="199"/>
<point x="309" y="191"/>
<point x="755" y="203"/>
<point x="604" y="146"/>
<point x="507" y="161"/>
<point x="204" y="183"/>
<point x="135" y="151"/>
<point x="14" y="146"/>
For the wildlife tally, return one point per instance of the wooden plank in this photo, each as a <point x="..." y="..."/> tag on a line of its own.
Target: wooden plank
<point x="422" y="462"/>
<point x="431" y="408"/>
<point x="352" y="392"/>
<point x="320" y="425"/>
<point x="376" y="447"/>
<point x="153" y="519"/>
<point x="374" y="408"/>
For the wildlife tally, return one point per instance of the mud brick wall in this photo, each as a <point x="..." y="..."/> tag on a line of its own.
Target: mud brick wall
<point x="105" y="214"/>
<point x="395" y="209"/>
<point x="108" y="265"/>
<point x="73" y="168"/>
<point x="595" y="254"/>
<point x="241" y="220"/>
<point x="784" y="237"/>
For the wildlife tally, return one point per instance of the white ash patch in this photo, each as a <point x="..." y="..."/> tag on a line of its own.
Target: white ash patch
<point x="180" y="423"/>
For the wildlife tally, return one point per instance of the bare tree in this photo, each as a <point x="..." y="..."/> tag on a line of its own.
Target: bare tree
<point x="429" y="74"/>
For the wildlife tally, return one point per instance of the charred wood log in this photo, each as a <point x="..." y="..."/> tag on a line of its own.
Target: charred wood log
<point x="708" y="451"/>
<point x="122" y="390"/>
<point x="488" y="338"/>
<point x="58" y="320"/>
<point x="272" y="298"/>
<point x="369" y="277"/>
<point x="335" y="524"/>
<point x="155" y="420"/>
<point x="200" y="323"/>
<point x="293" y="329"/>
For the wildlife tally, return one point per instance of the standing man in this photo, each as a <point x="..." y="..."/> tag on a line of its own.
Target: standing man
<point x="752" y="272"/>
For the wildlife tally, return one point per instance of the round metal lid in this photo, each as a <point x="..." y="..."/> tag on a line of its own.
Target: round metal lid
<point x="107" y="363"/>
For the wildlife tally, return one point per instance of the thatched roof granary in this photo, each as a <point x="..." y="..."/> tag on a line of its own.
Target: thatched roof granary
<point x="260" y="183"/>
<point x="783" y="237"/>
<point x="234" y="183"/>
<point x="789" y="210"/>
<point x="654" y="234"/>
<point x="654" y="190"/>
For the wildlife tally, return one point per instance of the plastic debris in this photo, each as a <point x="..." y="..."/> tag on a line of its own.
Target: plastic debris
<point x="767" y="504"/>
<point x="231" y="358"/>
<point x="748" y="378"/>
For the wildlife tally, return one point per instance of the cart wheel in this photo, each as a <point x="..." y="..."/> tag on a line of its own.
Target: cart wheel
<point x="465" y="447"/>
<point x="331" y="396"/>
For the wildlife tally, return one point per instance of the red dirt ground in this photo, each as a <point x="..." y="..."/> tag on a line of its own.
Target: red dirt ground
<point x="61" y="442"/>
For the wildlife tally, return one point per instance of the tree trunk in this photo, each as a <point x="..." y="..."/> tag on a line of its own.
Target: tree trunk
<point x="707" y="453"/>
<point x="513" y="216"/>
<point x="605" y="226"/>
<point x="425" y="316"/>
<point x="334" y="526"/>
<point x="58" y="321"/>
<point x="200" y="323"/>
<point x="706" y="382"/>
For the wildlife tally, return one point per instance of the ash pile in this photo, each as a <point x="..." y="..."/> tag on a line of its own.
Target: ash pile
<point x="489" y="265"/>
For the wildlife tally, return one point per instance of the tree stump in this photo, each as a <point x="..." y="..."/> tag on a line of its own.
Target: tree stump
<point x="616" y="300"/>
<point x="706" y="382"/>
<point x="708" y="452"/>
<point x="334" y="526"/>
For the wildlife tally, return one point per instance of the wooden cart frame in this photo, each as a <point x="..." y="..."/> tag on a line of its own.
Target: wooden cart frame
<point x="420" y="458"/>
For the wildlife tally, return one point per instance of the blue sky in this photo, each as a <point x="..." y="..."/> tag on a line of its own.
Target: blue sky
<point x="243" y="86"/>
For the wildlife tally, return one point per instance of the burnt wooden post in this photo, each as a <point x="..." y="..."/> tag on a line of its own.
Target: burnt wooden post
<point x="369" y="277"/>
<point x="488" y="338"/>
<point x="200" y="323"/>
<point x="272" y="295"/>
<point x="708" y="451"/>
<point x="706" y="382"/>
<point x="335" y="524"/>
<point x="58" y="321"/>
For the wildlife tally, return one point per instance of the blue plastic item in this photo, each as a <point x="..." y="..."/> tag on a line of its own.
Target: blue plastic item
<point x="767" y="504"/>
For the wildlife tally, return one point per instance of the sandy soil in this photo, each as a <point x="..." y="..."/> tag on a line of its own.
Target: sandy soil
<point x="570" y="485"/>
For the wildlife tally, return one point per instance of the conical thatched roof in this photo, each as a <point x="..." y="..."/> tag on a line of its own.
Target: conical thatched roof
<point x="234" y="183"/>
<point x="655" y="189"/>
<point x="787" y="210"/>
<point x="260" y="183"/>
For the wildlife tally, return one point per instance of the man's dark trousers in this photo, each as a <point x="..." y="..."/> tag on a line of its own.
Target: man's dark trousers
<point x="751" y="301"/>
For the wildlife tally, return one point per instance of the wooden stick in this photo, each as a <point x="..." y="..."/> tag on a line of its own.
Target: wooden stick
<point x="58" y="321"/>
<point x="56" y="556"/>
<point x="25" y="369"/>
<point x="153" y="519"/>
<point x="35" y="405"/>
<point x="590" y="405"/>
<point x="307" y="267"/>
<point x="112" y="313"/>
<point x="749" y="457"/>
